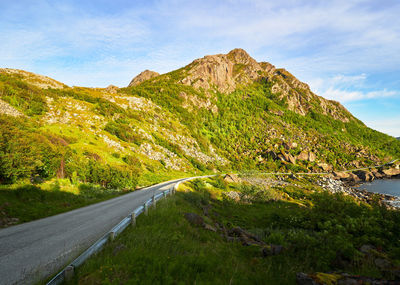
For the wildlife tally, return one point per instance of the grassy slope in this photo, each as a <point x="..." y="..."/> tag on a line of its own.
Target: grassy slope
<point x="246" y="128"/>
<point x="165" y="249"/>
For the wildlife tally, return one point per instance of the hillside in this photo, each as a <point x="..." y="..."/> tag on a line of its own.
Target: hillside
<point x="220" y="112"/>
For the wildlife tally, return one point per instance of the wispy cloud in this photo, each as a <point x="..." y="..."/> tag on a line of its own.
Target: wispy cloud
<point x="347" y="88"/>
<point x="344" y="49"/>
<point x="347" y="96"/>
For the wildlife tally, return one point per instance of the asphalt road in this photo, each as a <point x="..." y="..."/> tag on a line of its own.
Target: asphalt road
<point x="36" y="250"/>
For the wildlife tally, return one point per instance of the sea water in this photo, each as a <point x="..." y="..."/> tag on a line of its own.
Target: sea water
<point x="383" y="186"/>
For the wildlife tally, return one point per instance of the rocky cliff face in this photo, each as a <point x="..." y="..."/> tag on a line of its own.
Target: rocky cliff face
<point x="143" y="76"/>
<point x="226" y="72"/>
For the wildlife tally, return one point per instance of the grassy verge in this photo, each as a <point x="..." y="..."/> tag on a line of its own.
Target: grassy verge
<point x="319" y="232"/>
<point x="24" y="203"/>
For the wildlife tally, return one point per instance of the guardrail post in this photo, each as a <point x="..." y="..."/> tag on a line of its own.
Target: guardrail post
<point x="146" y="209"/>
<point x="69" y="273"/>
<point x="112" y="235"/>
<point x="154" y="201"/>
<point x="133" y="219"/>
<point x="164" y="193"/>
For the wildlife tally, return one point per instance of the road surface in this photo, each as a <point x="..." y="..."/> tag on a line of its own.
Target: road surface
<point x="34" y="251"/>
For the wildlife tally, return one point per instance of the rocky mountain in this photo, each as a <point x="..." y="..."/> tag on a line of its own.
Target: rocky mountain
<point x="143" y="76"/>
<point x="220" y="112"/>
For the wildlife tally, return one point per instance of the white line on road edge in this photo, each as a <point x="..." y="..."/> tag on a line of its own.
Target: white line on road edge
<point x="68" y="272"/>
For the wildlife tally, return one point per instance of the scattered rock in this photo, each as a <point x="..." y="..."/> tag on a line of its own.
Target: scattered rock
<point x="245" y="237"/>
<point x="7" y="109"/>
<point x="233" y="195"/>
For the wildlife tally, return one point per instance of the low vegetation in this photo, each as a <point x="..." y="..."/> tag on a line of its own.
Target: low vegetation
<point x="24" y="203"/>
<point x="162" y="129"/>
<point x="260" y="235"/>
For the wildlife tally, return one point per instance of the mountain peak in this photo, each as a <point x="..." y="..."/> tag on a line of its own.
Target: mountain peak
<point x="227" y="72"/>
<point x="240" y="56"/>
<point x="223" y="72"/>
<point x="143" y="76"/>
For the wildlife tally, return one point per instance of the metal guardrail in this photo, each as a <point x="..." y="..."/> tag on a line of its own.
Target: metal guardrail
<point x="68" y="272"/>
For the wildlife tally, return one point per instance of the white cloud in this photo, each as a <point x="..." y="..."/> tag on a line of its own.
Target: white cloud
<point x="348" y="88"/>
<point x="390" y="126"/>
<point x="347" y="96"/>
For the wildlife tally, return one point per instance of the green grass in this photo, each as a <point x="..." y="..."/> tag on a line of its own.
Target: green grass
<point x="320" y="233"/>
<point x="30" y="202"/>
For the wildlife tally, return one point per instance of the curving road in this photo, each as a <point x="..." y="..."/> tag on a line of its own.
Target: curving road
<point x="34" y="251"/>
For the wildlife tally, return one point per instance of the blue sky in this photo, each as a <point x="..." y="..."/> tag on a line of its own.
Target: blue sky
<point x="345" y="50"/>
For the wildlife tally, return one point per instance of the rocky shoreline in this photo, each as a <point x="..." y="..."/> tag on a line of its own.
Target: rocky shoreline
<point x="337" y="186"/>
<point x="347" y="182"/>
<point x="353" y="178"/>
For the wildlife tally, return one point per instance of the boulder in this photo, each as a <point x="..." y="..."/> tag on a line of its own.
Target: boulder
<point x="325" y="166"/>
<point x="364" y="175"/>
<point x="341" y="175"/>
<point x="210" y="228"/>
<point x="194" y="219"/>
<point x="391" y="172"/>
<point x="304" y="279"/>
<point x="245" y="237"/>
<point x="307" y="155"/>
<point x="232" y="178"/>
<point x="272" y="249"/>
<point x="353" y="178"/>
<point x="311" y="156"/>
<point x="288" y="158"/>
<point x="303" y="155"/>
<point x="376" y="173"/>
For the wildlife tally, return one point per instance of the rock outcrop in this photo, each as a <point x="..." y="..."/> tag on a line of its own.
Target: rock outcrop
<point x="143" y="76"/>
<point x="226" y="72"/>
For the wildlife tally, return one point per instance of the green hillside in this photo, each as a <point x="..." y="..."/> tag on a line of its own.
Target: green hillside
<point x="218" y="113"/>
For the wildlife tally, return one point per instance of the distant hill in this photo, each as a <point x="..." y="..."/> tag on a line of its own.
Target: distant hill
<point x="220" y="112"/>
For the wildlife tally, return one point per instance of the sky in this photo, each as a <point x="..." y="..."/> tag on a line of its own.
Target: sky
<point x="346" y="50"/>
